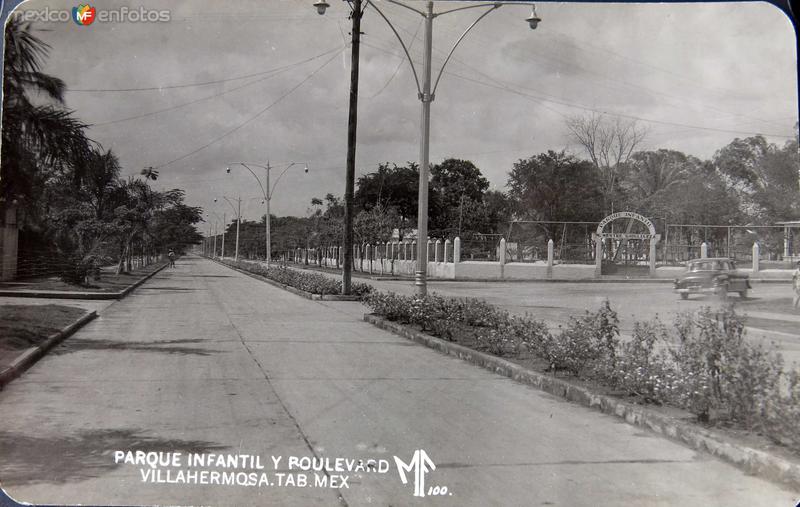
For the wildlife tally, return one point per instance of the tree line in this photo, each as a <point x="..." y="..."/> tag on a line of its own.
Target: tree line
<point x="75" y="211"/>
<point x="749" y="181"/>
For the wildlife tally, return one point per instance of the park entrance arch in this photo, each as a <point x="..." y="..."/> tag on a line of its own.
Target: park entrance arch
<point x="621" y="245"/>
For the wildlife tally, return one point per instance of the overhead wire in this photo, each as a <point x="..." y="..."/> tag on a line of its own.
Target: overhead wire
<point x="219" y="94"/>
<point x="624" y="83"/>
<point x="540" y="99"/>
<point x="202" y="83"/>
<point x="252" y="118"/>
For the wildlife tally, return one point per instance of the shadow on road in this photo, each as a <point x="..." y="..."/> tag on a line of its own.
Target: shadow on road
<point x="188" y="289"/>
<point x="163" y="347"/>
<point x="202" y="276"/>
<point x="89" y="454"/>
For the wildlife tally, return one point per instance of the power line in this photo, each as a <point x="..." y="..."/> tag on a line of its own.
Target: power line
<point x="204" y="83"/>
<point x="396" y="70"/>
<point x="209" y="97"/>
<point x="624" y="83"/>
<point x="252" y="118"/>
<point x="506" y="87"/>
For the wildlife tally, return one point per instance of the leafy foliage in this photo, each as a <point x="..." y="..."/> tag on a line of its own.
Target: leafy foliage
<point x="314" y="283"/>
<point x="705" y="364"/>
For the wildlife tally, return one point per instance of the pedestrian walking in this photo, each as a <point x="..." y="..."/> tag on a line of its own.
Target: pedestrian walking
<point x="796" y="285"/>
<point x="171" y="256"/>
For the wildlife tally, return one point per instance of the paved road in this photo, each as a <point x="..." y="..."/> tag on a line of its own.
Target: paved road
<point x="770" y="317"/>
<point x="203" y="359"/>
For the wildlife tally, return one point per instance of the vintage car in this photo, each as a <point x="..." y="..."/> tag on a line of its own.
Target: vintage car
<point x="712" y="276"/>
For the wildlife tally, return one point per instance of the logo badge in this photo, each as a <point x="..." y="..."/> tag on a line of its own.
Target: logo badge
<point x="84" y="14"/>
<point x="420" y="465"/>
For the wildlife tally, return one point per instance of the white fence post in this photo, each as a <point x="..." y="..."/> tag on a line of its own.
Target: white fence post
<point x="756" y="254"/>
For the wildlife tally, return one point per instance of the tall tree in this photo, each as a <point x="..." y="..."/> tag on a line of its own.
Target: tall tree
<point x="457" y="186"/>
<point x="394" y="186"/>
<point x="651" y="173"/>
<point x="39" y="141"/>
<point x="763" y="176"/>
<point x="609" y="143"/>
<point x="555" y="186"/>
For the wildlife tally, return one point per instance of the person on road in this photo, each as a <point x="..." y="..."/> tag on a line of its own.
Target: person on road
<point x="796" y="285"/>
<point x="171" y="256"/>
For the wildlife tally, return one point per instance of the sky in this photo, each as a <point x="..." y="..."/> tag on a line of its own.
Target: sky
<point x="260" y="81"/>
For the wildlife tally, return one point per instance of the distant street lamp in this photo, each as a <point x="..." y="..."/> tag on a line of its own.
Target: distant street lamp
<point x="237" y="211"/>
<point x="426" y="96"/>
<point x="216" y="219"/>
<point x="266" y="192"/>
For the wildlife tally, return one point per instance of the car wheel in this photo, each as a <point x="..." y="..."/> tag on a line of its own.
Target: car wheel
<point x="743" y="294"/>
<point x="684" y="295"/>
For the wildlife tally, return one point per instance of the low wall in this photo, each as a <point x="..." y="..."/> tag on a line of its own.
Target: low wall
<point x="485" y="270"/>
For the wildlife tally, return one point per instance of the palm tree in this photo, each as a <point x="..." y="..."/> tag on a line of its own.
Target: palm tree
<point x="39" y="140"/>
<point x="149" y="173"/>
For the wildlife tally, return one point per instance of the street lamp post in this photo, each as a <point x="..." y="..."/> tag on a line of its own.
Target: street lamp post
<point x="266" y="192"/>
<point x="216" y="219"/>
<point x="237" y="210"/>
<point x="426" y="95"/>
<point x="224" y="225"/>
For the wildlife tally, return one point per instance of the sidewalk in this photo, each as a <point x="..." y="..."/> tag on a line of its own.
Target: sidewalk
<point x="204" y="358"/>
<point x="112" y="286"/>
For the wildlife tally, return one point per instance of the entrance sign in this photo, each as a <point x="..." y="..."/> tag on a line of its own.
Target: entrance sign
<point x="626" y="214"/>
<point x="599" y="236"/>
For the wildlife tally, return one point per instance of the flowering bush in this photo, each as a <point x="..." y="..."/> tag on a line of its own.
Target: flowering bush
<point x="314" y="283"/>
<point x="465" y="320"/>
<point x="707" y="366"/>
<point x="718" y="370"/>
<point x="639" y="369"/>
<point x="782" y="411"/>
<point x="588" y="342"/>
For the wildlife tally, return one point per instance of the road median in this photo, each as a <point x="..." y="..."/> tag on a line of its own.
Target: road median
<point x="294" y="290"/>
<point x="754" y="461"/>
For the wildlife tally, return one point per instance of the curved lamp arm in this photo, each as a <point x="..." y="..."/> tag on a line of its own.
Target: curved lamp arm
<point x="272" y="190"/>
<point x="452" y="50"/>
<point x="235" y="213"/>
<point x="402" y="43"/>
<point x="263" y="192"/>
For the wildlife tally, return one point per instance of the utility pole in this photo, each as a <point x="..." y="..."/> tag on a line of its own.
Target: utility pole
<point x="350" y="175"/>
<point x="238" y="222"/>
<point x="268" y="196"/>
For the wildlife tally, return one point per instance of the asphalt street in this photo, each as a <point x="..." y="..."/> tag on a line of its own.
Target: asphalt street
<point x="770" y="317"/>
<point x="202" y="359"/>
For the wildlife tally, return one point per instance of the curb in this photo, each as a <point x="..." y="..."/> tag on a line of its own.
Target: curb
<point x="753" y="461"/>
<point x="28" y="358"/>
<point x="81" y="295"/>
<point x="293" y="290"/>
<point x="139" y="282"/>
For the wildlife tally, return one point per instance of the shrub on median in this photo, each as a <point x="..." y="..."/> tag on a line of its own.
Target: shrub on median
<point x="705" y="364"/>
<point x="314" y="283"/>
